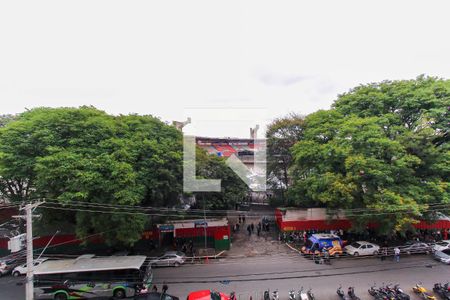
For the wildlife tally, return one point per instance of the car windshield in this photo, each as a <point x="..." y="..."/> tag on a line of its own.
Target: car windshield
<point x="446" y="251"/>
<point x="355" y="245"/>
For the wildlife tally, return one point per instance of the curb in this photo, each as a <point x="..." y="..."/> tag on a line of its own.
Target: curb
<point x="292" y="248"/>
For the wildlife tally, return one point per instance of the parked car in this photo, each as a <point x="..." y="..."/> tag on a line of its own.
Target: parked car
<point x="155" y="296"/>
<point x="362" y="248"/>
<point x="442" y="245"/>
<point x="207" y="295"/>
<point x="443" y="256"/>
<point x="22" y="269"/>
<point x="170" y="258"/>
<point x="416" y="248"/>
<point x="7" y="265"/>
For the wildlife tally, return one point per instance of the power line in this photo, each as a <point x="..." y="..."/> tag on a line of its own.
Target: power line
<point x="55" y="201"/>
<point x="140" y="212"/>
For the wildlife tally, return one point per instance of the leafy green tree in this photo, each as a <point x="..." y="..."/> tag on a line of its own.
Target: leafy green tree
<point x="233" y="189"/>
<point x="382" y="150"/>
<point x="85" y="155"/>
<point x="281" y="135"/>
<point x="406" y="105"/>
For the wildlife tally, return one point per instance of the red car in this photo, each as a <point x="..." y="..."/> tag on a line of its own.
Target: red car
<point x="207" y="295"/>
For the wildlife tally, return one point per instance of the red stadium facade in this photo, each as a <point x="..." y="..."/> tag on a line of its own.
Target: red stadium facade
<point x="316" y="219"/>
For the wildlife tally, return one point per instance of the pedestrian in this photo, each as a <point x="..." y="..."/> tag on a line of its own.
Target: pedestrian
<point x="243" y="218"/>
<point x="397" y="254"/>
<point x="249" y="229"/>
<point x="155" y="289"/>
<point x="252" y="227"/>
<point x="164" y="288"/>
<point x="383" y="253"/>
<point x="239" y="219"/>
<point x="191" y="248"/>
<point x="258" y="230"/>
<point x="237" y="227"/>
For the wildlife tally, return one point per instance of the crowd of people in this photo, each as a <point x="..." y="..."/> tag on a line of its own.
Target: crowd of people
<point x="262" y="225"/>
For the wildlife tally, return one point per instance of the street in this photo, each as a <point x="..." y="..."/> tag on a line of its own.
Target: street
<point x="250" y="276"/>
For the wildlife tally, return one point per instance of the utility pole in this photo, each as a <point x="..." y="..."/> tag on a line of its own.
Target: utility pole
<point x="29" y="294"/>
<point x="204" y="220"/>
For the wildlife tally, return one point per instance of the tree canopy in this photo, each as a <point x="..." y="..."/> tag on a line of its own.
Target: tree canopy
<point x="83" y="155"/>
<point x="281" y="135"/>
<point x="381" y="151"/>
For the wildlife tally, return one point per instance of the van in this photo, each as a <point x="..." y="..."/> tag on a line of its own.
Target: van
<point x="319" y="241"/>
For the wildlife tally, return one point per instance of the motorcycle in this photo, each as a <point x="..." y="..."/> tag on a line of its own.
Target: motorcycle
<point x="422" y="292"/>
<point x="351" y="293"/>
<point x="340" y="292"/>
<point x="310" y="295"/>
<point x="378" y="294"/>
<point x="292" y="295"/>
<point x="400" y="294"/>
<point x="302" y="295"/>
<point x="275" y="295"/>
<point x="442" y="290"/>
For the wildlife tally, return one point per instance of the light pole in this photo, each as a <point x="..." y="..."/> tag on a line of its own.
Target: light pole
<point x="204" y="220"/>
<point x="29" y="295"/>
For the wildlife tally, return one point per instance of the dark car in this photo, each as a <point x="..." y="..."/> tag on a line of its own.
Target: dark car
<point x="155" y="296"/>
<point x="416" y="248"/>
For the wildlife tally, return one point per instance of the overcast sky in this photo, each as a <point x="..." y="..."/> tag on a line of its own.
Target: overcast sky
<point x="183" y="58"/>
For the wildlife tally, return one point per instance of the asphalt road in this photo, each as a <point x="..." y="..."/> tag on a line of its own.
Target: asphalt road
<point x="250" y="276"/>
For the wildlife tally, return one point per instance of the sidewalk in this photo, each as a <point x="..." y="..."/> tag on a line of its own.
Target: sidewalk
<point x="254" y="245"/>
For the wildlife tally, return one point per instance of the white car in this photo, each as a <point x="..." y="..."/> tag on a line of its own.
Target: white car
<point x="170" y="258"/>
<point x="362" y="248"/>
<point x="443" y="256"/>
<point x="22" y="269"/>
<point x="442" y="245"/>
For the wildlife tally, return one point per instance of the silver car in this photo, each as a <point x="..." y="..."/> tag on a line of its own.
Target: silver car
<point x="443" y="256"/>
<point x="7" y="265"/>
<point x="170" y="258"/>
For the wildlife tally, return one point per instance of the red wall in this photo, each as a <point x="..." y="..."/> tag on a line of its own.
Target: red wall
<point x="315" y="224"/>
<point x="7" y="213"/>
<point x="3" y="243"/>
<point x="217" y="232"/>
<point x="341" y="224"/>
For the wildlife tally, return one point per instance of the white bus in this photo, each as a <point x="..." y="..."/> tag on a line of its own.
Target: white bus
<point x="92" y="277"/>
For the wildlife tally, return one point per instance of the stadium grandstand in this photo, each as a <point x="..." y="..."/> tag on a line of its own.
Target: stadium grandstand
<point x="244" y="149"/>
